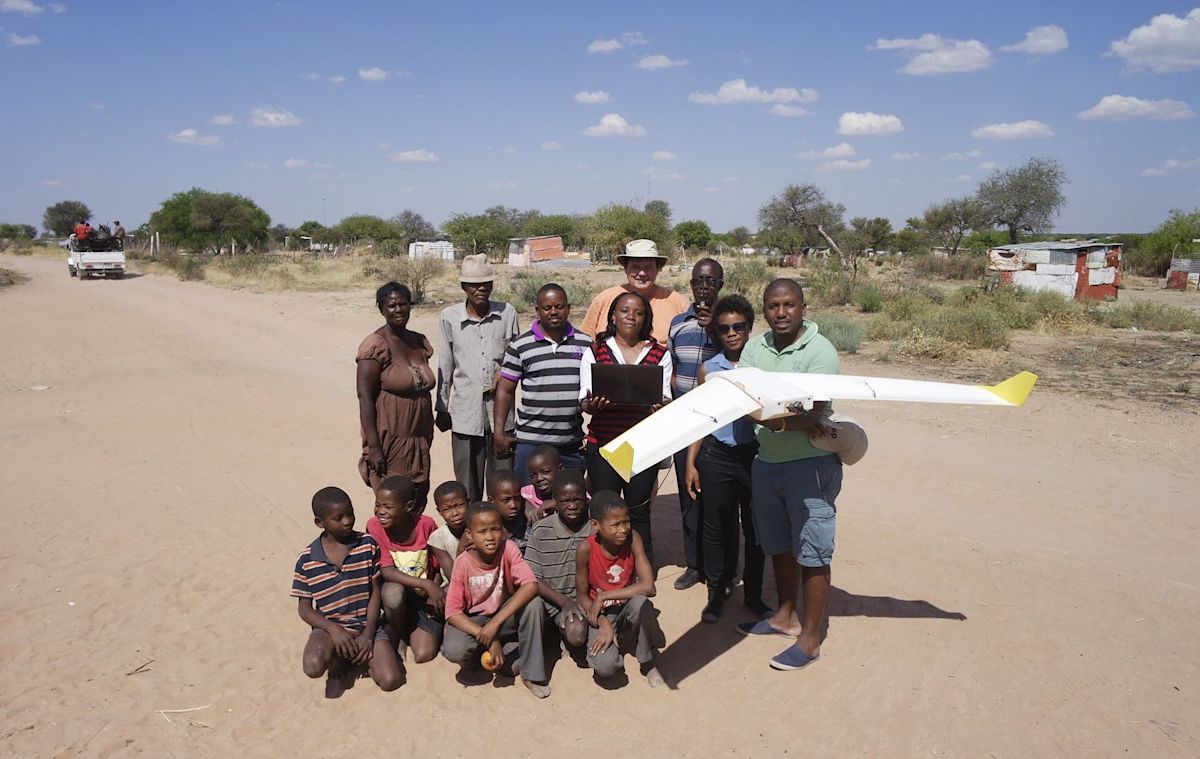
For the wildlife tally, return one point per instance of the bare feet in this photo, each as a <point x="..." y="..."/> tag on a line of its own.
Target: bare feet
<point x="653" y="677"/>
<point x="541" y="691"/>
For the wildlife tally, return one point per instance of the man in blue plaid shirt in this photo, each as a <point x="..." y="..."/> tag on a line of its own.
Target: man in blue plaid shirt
<point x="691" y="345"/>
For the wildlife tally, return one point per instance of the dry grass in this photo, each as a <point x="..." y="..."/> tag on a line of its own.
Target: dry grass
<point x="8" y="277"/>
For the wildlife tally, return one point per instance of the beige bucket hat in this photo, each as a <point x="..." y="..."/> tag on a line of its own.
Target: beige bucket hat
<point x="477" y="269"/>
<point x="846" y="438"/>
<point x="640" y="249"/>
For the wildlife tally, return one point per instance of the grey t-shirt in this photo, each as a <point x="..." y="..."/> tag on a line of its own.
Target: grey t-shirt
<point x="550" y="552"/>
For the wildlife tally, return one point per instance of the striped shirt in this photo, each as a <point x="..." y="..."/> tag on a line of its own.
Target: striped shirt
<point x="690" y="346"/>
<point x="548" y="373"/>
<point x="341" y="595"/>
<point x="550" y="552"/>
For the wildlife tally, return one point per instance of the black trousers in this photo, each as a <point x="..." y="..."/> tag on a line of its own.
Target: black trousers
<point x="636" y="492"/>
<point x="725" y="485"/>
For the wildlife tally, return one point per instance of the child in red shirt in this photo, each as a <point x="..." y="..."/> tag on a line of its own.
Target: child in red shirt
<point x="491" y="588"/>
<point x="613" y="579"/>
<point x="411" y="594"/>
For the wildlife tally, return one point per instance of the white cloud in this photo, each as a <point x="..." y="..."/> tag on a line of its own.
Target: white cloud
<point x="967" y="156"/>
<point x="192" y="137"/>
<point x="613" y="125"/>
<point x="16" y="40"/>
<point x="712" y="189"/>
<point x="551" y="145"/>
<point x="663" y="155"/>
<point x="612" y="44"/>
<point x="222" y="119"/>
<point x="419" y="155"/>
<point x="988" y="166"/>
<point x="374" y="74"/>
<point x="1123" y="108"/>
<point x="599" y="97"/>
<point x="963" y="178"/>
<point x="869" y="123"/>
<point x="508" y="149"/>
<point x="788" y="111"/>
<point x="841" y="150"/>
<point x="905" y="156"/>
<point x="26" y="7"/>
<point x="1168" y="43"/>
<point x="737" y="91"/>
<point x="335" y="79"/>
<point x="1017" y="130"/>
<point x="52" y="183"/>
<point x="268" y="116"/>
<point x="931" y="54"/>
<point x="1171" y="166"/>
<point x="502" y="185"/>
<point x="653" y="62"/>
<point x="295" y="163"/>
<point x="662" y="174"/>
<point x="846" y="165"/>
<point x="1040" y="40"/>
<point x="257" y="164"/>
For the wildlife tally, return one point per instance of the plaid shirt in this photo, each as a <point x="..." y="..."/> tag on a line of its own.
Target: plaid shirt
<point x="690" y="346"/>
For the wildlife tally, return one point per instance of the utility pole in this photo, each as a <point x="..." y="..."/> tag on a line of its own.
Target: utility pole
<point x="324" y="217"/>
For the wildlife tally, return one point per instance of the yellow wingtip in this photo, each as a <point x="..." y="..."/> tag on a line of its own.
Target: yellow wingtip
<point x="1015" y="389"/>
<point x="620" y="459"/>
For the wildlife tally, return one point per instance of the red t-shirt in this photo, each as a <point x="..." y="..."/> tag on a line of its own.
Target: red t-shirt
<point x="478" y="589"/>
<point x="413" y="558"/>
<point x="81" y="231"/>
<point x="609" y="574"/>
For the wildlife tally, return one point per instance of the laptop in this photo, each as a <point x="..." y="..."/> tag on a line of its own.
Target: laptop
<point x="635" y="385"/>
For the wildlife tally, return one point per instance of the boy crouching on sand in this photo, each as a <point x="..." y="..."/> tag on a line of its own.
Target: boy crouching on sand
<point x="553" y="543"/>
<point x="411" y="593"/>
<point x="491" y="588"/>
<point x="613" y="578"/>
<point x="450" y="498"/>
<point x="336" y="582"/>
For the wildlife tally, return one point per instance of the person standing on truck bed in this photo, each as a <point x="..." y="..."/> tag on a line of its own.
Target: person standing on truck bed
<point x="119" y="233"/>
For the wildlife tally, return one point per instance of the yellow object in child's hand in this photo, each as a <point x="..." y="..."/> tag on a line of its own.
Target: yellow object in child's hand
<point x="489" y="662"/>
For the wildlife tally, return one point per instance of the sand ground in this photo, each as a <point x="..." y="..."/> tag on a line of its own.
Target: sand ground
<point x="1008" y="582"/>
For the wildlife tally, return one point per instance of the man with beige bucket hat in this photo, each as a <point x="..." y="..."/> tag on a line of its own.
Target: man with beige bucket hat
<point x="642" y="263"/>
<point x="472" y="337"/>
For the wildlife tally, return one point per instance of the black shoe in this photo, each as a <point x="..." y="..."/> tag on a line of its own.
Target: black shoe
<point x="760" y="609"/>
<point x="712" y="610"/>
<point x="687" y="579"/>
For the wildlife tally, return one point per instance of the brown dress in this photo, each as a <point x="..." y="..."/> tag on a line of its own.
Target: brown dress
<point x="403" y="414"/>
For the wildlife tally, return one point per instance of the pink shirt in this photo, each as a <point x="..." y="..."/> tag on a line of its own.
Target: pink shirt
<point x="413" y="558"/>
<point x="477" y="589"/>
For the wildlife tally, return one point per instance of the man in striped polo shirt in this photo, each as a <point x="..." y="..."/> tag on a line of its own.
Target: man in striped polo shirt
<point x="545" y="361"/>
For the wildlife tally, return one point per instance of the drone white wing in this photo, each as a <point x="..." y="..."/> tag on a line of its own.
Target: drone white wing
<point x="726" y="396"/>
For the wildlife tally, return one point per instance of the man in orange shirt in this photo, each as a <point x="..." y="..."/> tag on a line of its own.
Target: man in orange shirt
<point x="642" y="264"/>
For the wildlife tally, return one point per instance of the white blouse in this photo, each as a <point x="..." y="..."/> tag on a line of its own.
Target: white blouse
<point x="589" y="358"/>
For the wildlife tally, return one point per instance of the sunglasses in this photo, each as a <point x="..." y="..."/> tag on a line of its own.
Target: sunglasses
<point x="707" y="280"/>
<point x="735" y="327"/>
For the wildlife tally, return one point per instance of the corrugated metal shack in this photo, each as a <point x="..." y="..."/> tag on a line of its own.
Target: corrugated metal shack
<point x="524" y="251"/>
<point x="1184" y="274"/>
<point x="1079" y="269"/>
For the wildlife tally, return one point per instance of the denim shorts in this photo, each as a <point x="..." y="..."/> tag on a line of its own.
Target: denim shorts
<point x="794" y="507"/>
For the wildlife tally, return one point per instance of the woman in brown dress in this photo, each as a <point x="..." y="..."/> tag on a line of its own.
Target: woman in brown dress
<point x="394" y="403"/>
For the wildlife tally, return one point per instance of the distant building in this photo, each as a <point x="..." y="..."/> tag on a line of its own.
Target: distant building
<point x="1079" y="269"/>
<point x="526" y="251"/>
<point x="443" y="249"/>
<point x="1184" y="273"/>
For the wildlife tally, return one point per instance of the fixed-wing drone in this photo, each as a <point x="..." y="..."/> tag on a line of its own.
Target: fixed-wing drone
<point x="730" y="395"/>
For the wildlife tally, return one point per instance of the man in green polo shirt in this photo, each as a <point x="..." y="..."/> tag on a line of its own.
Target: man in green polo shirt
<point x="794" y="483"/>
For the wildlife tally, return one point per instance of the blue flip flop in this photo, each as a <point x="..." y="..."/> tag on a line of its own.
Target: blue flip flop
<point x="793" y="658"/>
<point x="761" y="627"/>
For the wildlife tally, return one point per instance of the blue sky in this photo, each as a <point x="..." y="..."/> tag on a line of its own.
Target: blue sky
<point x="318" y="110"/>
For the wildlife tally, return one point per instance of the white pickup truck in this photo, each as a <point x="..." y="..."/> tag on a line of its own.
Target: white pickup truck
<point x="95" y="258"/>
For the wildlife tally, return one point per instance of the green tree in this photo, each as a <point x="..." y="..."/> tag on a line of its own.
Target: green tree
<point x="479" y="234"/>
<point x="866" y="235"/>
<point x="13" y="231"/>
<point x="951" y="221"/>
<point x="515" y="218"/>
<point x="800" y="217"/>
<point x="914" y="238"/>
<point x="740" y="236"/>
<point x="1024" y="199"/>
<point x="566" y="227"/>
<point x="693" y="235"/>
<point x="206" y="221"/>
<point x="310" y="227"/>
<point x="1171" y="239"/>
<point x="660" y="208"/>
<point x="412" y="225"/>
<point x="62" y="217"/>
<point x="610" y="227"/>
<point x="367" y="227"/>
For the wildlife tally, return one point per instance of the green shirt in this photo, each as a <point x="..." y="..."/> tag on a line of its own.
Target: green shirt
<point x="811" y="353"/>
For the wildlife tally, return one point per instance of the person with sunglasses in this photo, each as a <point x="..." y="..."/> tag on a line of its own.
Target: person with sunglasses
<point x="718" y="468"/>
<point x="691" y="345"/>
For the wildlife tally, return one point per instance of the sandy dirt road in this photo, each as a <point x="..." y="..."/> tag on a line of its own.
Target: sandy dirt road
<point x="1008" y="582"/>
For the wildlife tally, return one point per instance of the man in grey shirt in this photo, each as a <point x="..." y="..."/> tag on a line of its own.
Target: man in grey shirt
<point x="472" y="337"/>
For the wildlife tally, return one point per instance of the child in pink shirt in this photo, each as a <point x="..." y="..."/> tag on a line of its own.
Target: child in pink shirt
<point x="490" y="590"/>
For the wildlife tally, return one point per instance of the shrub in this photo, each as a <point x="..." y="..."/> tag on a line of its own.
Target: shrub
<point x="964" y="265"/>
<point x="188" y="268"/>
<point x="921" y="345"/>
<point x="1161" y="317"/>
<point x="907" y="306"/>
<point x="883" y="327"/>
<point x="975" y="326"/>
<point x="869" y="299"/>
<point x="9" y="277"/>
<point x="417" y="273"/>
<point x="748" y="276"/>
<point x="846" y="335"/>
<point x="250" y="263"/>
